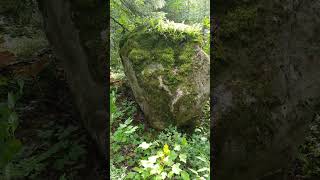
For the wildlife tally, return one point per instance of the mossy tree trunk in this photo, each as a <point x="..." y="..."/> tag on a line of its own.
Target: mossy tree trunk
<point x="266" y="82"/>
<point x="75" y="30"/>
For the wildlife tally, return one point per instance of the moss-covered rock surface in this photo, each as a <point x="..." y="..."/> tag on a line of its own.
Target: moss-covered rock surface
<point x="168" y="72"/>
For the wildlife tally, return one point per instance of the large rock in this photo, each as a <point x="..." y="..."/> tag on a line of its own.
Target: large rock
<point x="267" y="86"/>
<point x="168" y="73"/>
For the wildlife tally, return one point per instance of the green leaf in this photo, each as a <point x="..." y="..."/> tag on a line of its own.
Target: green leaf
<point x="185" y="175"/>
<point x="145" y="145"/>
<point x="11" y="100"/>
<point x="164" y="175"/>
<point x="201" y="158"/>
<point x="168" y="162"/>
<point x="21" y="85"/>
<point x="194" y="171"/>
<point x="9" y="150"/>
<point x="176" y="169"/>
<point x="156" y="169"/>
<point x="146" y="164"/>
<point x="183" y="158"/>
<point x="203" y="169"/>
<point x="131" y="130"/>
<point x="13" y="122"/>
<point x="177" y="147"/>
<point x="152" y="159"/>
<point x="173" y="156"/>
<point x="137" y="169"/>
<point x="184" y="141"/>
<point x="158" y="177"/>
<point x="63" y="177"/>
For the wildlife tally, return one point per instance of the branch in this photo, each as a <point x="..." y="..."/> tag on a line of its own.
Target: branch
<point x="119" y="23"/>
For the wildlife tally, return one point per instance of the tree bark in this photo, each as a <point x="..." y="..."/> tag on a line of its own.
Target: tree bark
<point x="267" y="86"/>
<point x="76" y="29"/>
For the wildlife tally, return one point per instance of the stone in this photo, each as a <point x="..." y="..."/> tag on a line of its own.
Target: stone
<point x="168" y="73"/>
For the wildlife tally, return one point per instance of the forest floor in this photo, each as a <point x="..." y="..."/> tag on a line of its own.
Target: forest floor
<point x="54" y="143"/>
<point x="134" y="141"/>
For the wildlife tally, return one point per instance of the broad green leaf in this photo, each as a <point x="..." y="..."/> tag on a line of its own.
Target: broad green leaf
<point x="183" y="158"/>
<point x="131" y="130"/>
<point x="176" y="169"/>
<point x="164" y="175"/>
<point x="185" y="175"/>
<point x="160" y="153"/>
<point x="184" y="141"/>
<point x="158" y="177"/>
<point x="156" y="169"/>
<point x="146" y="164"/>
<point x="173" y="156"/>
<point x="145" y="145"/>
<point x="167" y="161"/>
<point x="152" y="159"/>
<point x="177" y="147"/>
<point x="170" y="174"/>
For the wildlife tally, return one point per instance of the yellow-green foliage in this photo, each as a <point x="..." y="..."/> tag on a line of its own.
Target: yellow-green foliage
<point x="175" y="31"/>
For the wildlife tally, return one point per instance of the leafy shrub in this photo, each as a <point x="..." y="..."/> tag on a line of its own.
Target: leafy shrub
<point x="137" y="153"/>
<point x="171" y="156"/>
<point x="9" y="145"/>
<point x="309" y="152"/>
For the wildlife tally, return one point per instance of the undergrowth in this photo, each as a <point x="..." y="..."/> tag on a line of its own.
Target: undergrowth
<point x="52" y="145"/>
<point x="138" y="152"/>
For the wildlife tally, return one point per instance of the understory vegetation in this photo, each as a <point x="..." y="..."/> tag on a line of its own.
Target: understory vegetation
<point x="137" y="151"/>
<point x="140" y="152"/>
<point x="40" y="135"/>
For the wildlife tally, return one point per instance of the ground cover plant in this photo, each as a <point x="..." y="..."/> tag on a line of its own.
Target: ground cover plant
<point x="138" y="152"/>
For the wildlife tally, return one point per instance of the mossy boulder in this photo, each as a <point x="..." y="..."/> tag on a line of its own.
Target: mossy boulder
<point x="168" y="73"/>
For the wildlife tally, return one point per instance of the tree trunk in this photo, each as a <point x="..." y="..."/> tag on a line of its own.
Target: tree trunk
<point x="266" y="82"/>
<point x="75" y="30"/>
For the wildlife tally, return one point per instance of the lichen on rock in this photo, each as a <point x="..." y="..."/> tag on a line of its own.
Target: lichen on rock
<point x="167" y="71"/>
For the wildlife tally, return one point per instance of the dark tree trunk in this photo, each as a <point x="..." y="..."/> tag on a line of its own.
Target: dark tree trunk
<point x="266" y="82"/>
<point x="75" y="30"/>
